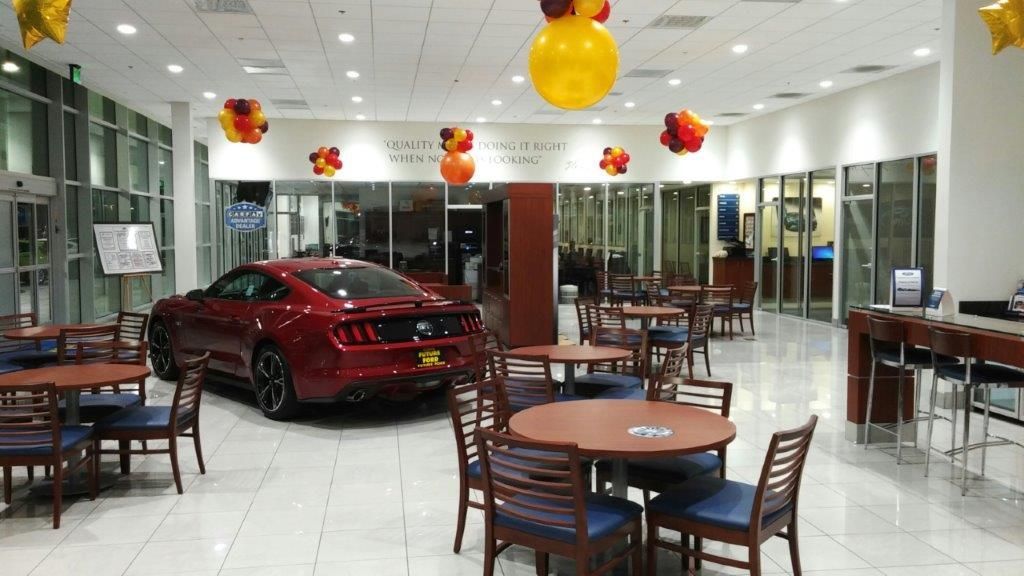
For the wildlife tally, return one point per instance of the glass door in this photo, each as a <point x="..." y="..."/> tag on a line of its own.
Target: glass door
<point x="822" y="256"/>
<point x="895" y="223"/>
<point x="858" y="238"/>
<point x="25" y="256"/>
<point x="770" y="260"/>
<point x="8" y="271"/>
<point x="796" y="224"/>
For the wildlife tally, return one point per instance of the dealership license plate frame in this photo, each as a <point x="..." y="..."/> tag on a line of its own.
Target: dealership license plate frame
<point x="429" y="358"/>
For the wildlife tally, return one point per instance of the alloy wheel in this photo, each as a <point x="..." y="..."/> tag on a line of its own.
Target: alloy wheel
<point x="270" y="382"/>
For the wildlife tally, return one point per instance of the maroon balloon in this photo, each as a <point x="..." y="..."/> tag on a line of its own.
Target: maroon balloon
<point x="265" y="127"/>
<point x="555" y="8"/>
<point x="447" y="134"/>
<point x="676" y="145"/>
<point x="334" y="151"/>
<point x="622" y="169"/>
<point x="672" y="121"/>
<point x="242" y="106"/>
<point x="607" y="151"/>
<point x="313" y="157"/>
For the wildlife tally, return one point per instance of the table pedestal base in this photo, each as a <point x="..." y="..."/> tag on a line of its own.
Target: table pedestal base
<point x="620" y="478"/>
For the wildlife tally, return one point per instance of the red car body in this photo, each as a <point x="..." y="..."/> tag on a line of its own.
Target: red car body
<point x="335" y="349"/>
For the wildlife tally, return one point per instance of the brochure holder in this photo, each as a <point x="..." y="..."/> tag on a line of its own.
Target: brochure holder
<point x="940" y="304"/>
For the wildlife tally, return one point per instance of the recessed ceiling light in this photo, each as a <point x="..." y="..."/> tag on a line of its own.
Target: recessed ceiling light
<point x="825" y="83"/>
<point x="357" y="99"/>
<point x="360" y="117"/>
<point x="596" y="121"/>
<point x="161" y="162"/>
<point x="10" y="67"/>
<point x="586" y="188"/>
<point x="352" y="74"/>
<point x="518" y="79"/>
<point x="740" y="49"/>
<point x="709" y="122"/>
<point x="922" y="52"/>
<point x="346" y="38"/>
<point x="209" y="95"/>
<point x="495" y="102"/>
<point x="758" y="106"/>
<point x="675" y="82"/>
<point x="630" y="104"/>
<point x="175" y="69"/>
<point x="480" y="119"/>
<point x="126" y="29"/>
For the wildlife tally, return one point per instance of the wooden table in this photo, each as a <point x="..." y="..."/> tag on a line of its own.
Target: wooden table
<point x="646" y="313"/>
<point x="48" y="332"/>
<point x="601" y="429"/>
<point x="576" y="354"/>
<point x="71" y="380"/>
<point x="685" y="289"/>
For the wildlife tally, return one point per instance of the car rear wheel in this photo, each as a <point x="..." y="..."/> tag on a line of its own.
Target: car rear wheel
<point x="272" y="380"/>
<point x="161" y="353"/>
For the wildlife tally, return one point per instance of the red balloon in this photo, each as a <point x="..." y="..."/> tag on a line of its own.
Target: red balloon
<point x="243" y="123"/>
<point x="693" y="145"/>
<point x="318" y="170"/>
<point x="457" y="168"/>
<point x="230" y="104"/>
<point x="617" y="161"/>
<point x="337" y="164"/>
<point x="665" y="138"/>
<point x="687" y="132"/>
<point x="603" y="164"/>
<point x="605" y="12"/>
<point x="331" y="158"/>
<point x="469" y="134"/>
<point x="625" y="158"/>
<point x="465" y="146"/>
<point x="253" y="136"/>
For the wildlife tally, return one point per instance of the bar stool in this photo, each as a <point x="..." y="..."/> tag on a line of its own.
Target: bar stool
<point x="970" y="374"/>
<point x="889" y="348"/>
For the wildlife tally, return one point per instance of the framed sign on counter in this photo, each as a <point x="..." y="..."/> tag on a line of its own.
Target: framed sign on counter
<point x="907" y="289"/>
<point x="127" y="248"/>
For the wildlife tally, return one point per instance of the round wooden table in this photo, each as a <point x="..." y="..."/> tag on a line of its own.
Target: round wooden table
<point x="71" y="380"/>
<point x="645" y="313"/>
<point x="575" y="354"/>
<point x="601" y="429"/>
<point x="48" y="332"/>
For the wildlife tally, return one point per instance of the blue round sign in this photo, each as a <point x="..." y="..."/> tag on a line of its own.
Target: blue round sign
<point x="245" y="217"/>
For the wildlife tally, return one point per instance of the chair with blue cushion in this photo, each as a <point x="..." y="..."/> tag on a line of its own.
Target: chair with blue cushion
<point x="736" y="513"/>
<point x="133" y="328"/>
<point x="526" y="379"/>
<point x="721" y="300"/>
<point x="102" y="401"/>
<point x="744" y="304"/>
<point x="604" y="289"/>
<point x="31" y="435"/>
<point x="699" y="336"/>
<point x="17" y="355"/>
<point x="70" y="338"/>
<point x="143" y="423"/>
<point x="535" y="496"/>
<point x="583" y="317"/>
<point x="670" y="331"/>
<point x="626" y="374"/>
<point x="624" y="289"/>
<point x="670" y="369"/>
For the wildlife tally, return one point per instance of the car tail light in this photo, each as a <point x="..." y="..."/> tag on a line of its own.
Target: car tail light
<point x="357" y="333"/>
<point x="471" y="322"/>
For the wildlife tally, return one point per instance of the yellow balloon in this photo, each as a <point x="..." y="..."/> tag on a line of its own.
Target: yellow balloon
<point x="574" y="62"/>
<point x="329" y="171"/>
<point x="257" y="117"/>
<point x="321" y="163"/>
<point x="1005" y="20"/>
<point x="40" y="19"/>
<point x="451" y="145"/>
<point x="233" y="136"/>
<point x="611" y="170"/>
<point x="460" y="135"/>
<point x="227" y="118"/>
<point x="588" y="8"/>
<point x="683" y="152"/>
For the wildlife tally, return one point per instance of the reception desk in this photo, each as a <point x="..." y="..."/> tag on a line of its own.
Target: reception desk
<point x="994" y="340"/>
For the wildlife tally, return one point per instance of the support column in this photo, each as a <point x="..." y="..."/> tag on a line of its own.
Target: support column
<point x="979" y="198"/>
<point x="186" y="275"/>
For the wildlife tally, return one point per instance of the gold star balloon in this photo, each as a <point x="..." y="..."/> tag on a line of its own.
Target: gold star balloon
<point x="42" y="19"/>
<point x="1005" y="19"/>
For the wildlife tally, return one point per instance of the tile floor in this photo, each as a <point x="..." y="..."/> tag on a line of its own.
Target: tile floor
<point x="371" y="490"/>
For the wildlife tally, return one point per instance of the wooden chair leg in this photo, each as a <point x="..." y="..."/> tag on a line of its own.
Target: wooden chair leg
<point x="172" y="444"/>
<point x="91" y="453"/>
<point x="199" y="447"/>
<point x="8" y="489"/>
<point x="58" y="492"/>
<point x="542" y="563"/>
<point x="652" y="550"/>
<point x="123" y="447"/>
<point x="31" y="471"/>
<point x="794" y="548"/>
<point x="707" y="360"/>
<point x="637" y="561"/>
<point x="463" y="510"/>
<point x="752" y="331"/>
<point x="698" y="545"/>
<point x="490" y="552"/>
<point x="754" y="554"/>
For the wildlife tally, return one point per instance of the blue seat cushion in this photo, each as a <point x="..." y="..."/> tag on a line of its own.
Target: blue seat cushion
<point x="673" y="470"/>
<point x="741" y="306"/>
<point x="627" y="294"/>
<point x="710" y="500"/>
<point x="617" y="340"/>
<point x="674" y="334"/>
<point x="605" y="515"/>
<point x="6" y="367"/>
<point x="120" y="400"/>
<point x="623" y="394"/>
<point x="474" y="469"/>
<point x="69" y="437"/>
<point x="982" y="374"/>
<point x="721" y="308"/>
<point x="606" y="380"/>
<point x="32" y="357"/>
<point x="140" y="418"/>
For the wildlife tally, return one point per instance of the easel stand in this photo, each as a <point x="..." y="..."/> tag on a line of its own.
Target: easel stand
<point x="127" y="303"/>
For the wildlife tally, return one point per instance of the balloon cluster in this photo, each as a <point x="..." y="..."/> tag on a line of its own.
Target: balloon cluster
<point x="243" y="121"/>
<point x="684" y="132"/>
<point x="599" y="10"/>
<point x="326" y="161"/>
<point x="457" y="167"/>
<point x="574" y="60"/>
<point x="614" y="161"/>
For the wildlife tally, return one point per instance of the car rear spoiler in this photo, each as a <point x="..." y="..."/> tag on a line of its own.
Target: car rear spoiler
<point x="400" y="305"/>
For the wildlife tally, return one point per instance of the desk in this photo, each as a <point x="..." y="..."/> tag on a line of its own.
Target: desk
<point x="573" y="355"/>
<point x="994" y="340"/>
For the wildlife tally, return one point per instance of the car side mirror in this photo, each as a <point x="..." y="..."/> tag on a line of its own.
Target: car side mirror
<point x="194" y="295"/>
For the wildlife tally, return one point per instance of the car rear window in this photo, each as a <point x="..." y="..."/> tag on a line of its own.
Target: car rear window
<point x="358" y="283"/>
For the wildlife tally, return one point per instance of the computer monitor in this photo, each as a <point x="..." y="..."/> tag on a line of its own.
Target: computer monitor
<point x="823" y="253"/>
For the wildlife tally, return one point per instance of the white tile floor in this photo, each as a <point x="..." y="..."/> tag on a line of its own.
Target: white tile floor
<point x="371" y="490"/>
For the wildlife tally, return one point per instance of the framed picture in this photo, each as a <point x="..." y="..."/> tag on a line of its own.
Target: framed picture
<point x="748" y="230"/>
<point x="1017" y="304"/>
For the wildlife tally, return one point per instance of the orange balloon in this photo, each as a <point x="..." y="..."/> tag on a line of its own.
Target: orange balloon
<point x="457" y="168"/>
<point x="688" y="117"/>
<point x="700" y="129"/>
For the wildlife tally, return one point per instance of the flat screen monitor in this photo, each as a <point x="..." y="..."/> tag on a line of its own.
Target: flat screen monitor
<point x="823" y="253"/>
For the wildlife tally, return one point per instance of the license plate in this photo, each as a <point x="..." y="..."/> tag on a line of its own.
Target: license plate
<point x="429" y="358"/>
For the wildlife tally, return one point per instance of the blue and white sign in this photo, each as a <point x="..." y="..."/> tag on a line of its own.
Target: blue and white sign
<point x="245" y="217"/>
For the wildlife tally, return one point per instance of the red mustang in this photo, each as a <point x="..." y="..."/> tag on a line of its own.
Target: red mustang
<point x="317" y="330"/>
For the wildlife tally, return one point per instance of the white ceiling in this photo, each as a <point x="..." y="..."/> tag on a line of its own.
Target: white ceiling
<point x="446" y="60"/>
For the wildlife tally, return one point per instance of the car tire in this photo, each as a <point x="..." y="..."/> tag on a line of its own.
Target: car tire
<point x="272" y="382"/>
<point x="161" y="352"/>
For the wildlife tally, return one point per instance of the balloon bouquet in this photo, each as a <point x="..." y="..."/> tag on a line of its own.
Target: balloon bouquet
<point x="614" y="161"/>
<point x="457" y="167"/>
<point x="574" y="60"/>
<point x="243" y="121"/>
<point x="326" y="161"/>
<point x="684" y="132"/>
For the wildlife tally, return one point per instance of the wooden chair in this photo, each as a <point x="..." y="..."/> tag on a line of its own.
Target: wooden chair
<point x="604" y="290"/>
<point x="669" y="369"/>
<point x="535" y="496"/>
<point x="470" y="406"/>
<point x="653" y="294"/>
<point x="143" y="423"/>
<point x="479" y="344"/>
<point x="624" y="290"/>
<point x="670" y="331"/>
<point x="699" y="335"/>
<point x="583" y="304"/>
<point x="733" y="512"/>
<point x="628" y="373"/>
<point x="744" y="304"/>
<point x="720" y="297"/>
<point x="70" y="338"/>
<point x="659" y="475"/>
<point x="133" y="326"/>
<point x="527" y="380"/>
<point x="16" y="355"/>
<point x="102" y="401"/>
<point x="31" y="435"/>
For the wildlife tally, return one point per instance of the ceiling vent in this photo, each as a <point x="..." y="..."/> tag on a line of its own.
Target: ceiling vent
<point x="790" y="95"/>
<point x="673" y="22"/>
<point x="731" y="114"/>
<point x="615" y="93"/>
<point x="223" y="7"/>
<point x="289" y="104"/>
<point x="868" y="69"/>
<point x="647" y="73"/>
<point x="262" y="66"/>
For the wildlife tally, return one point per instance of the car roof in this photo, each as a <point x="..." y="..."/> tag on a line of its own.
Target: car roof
<point x="292" y="265"/>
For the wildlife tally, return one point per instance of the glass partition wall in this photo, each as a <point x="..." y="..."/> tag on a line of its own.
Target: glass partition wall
<point x="607" y="225"/>
<point x="686" y="231"/>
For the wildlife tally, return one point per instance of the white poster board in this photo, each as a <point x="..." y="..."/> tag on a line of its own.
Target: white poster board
<point x="907" y="288"/>
<point x="127" y="248"/>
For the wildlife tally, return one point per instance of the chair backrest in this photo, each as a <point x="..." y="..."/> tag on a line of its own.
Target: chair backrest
<point x="885" y="336"/>
<point x="13" y="322"/>
<point x="28" y="418"/>
<point x="706" y="394"/>
<point x="527" y="380"/>
<point x="606" y="316"/>
<point x="583" y="304"/>
<point x="627" y="339"/>
<point x="133" y="325"/>
<point x="602" y="280"/>
<point x="475" y="405"/>
<point x="70" y="338"/>
<point x="953" y="344"/>
<point x="622" y="283"/>
<point x="189" y="392"/>
<point x="683" y="280"/>
<point x="663" y="384"/>
<point x="542" y="481"/>
<point x="681" y="319"/>
<point x="717" y="295"/>
<point x="779" y="486"/>
<point x="748" y="292"/>
<point x="700" y="322"/>
<point x="652" y="289"/>
<point x="119" y="352"/>
<point x="479" y="344"/>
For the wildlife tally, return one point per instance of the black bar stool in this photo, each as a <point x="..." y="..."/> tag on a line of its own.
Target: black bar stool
<point x="889" y="348"/>
<point x="971" y="374"/>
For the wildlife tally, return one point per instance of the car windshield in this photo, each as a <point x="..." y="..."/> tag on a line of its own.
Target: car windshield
<point x="358" y="283"/>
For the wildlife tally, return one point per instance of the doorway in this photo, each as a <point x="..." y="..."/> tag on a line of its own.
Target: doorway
<point x="25" y="256"/>
<point x="465" y="247"/>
